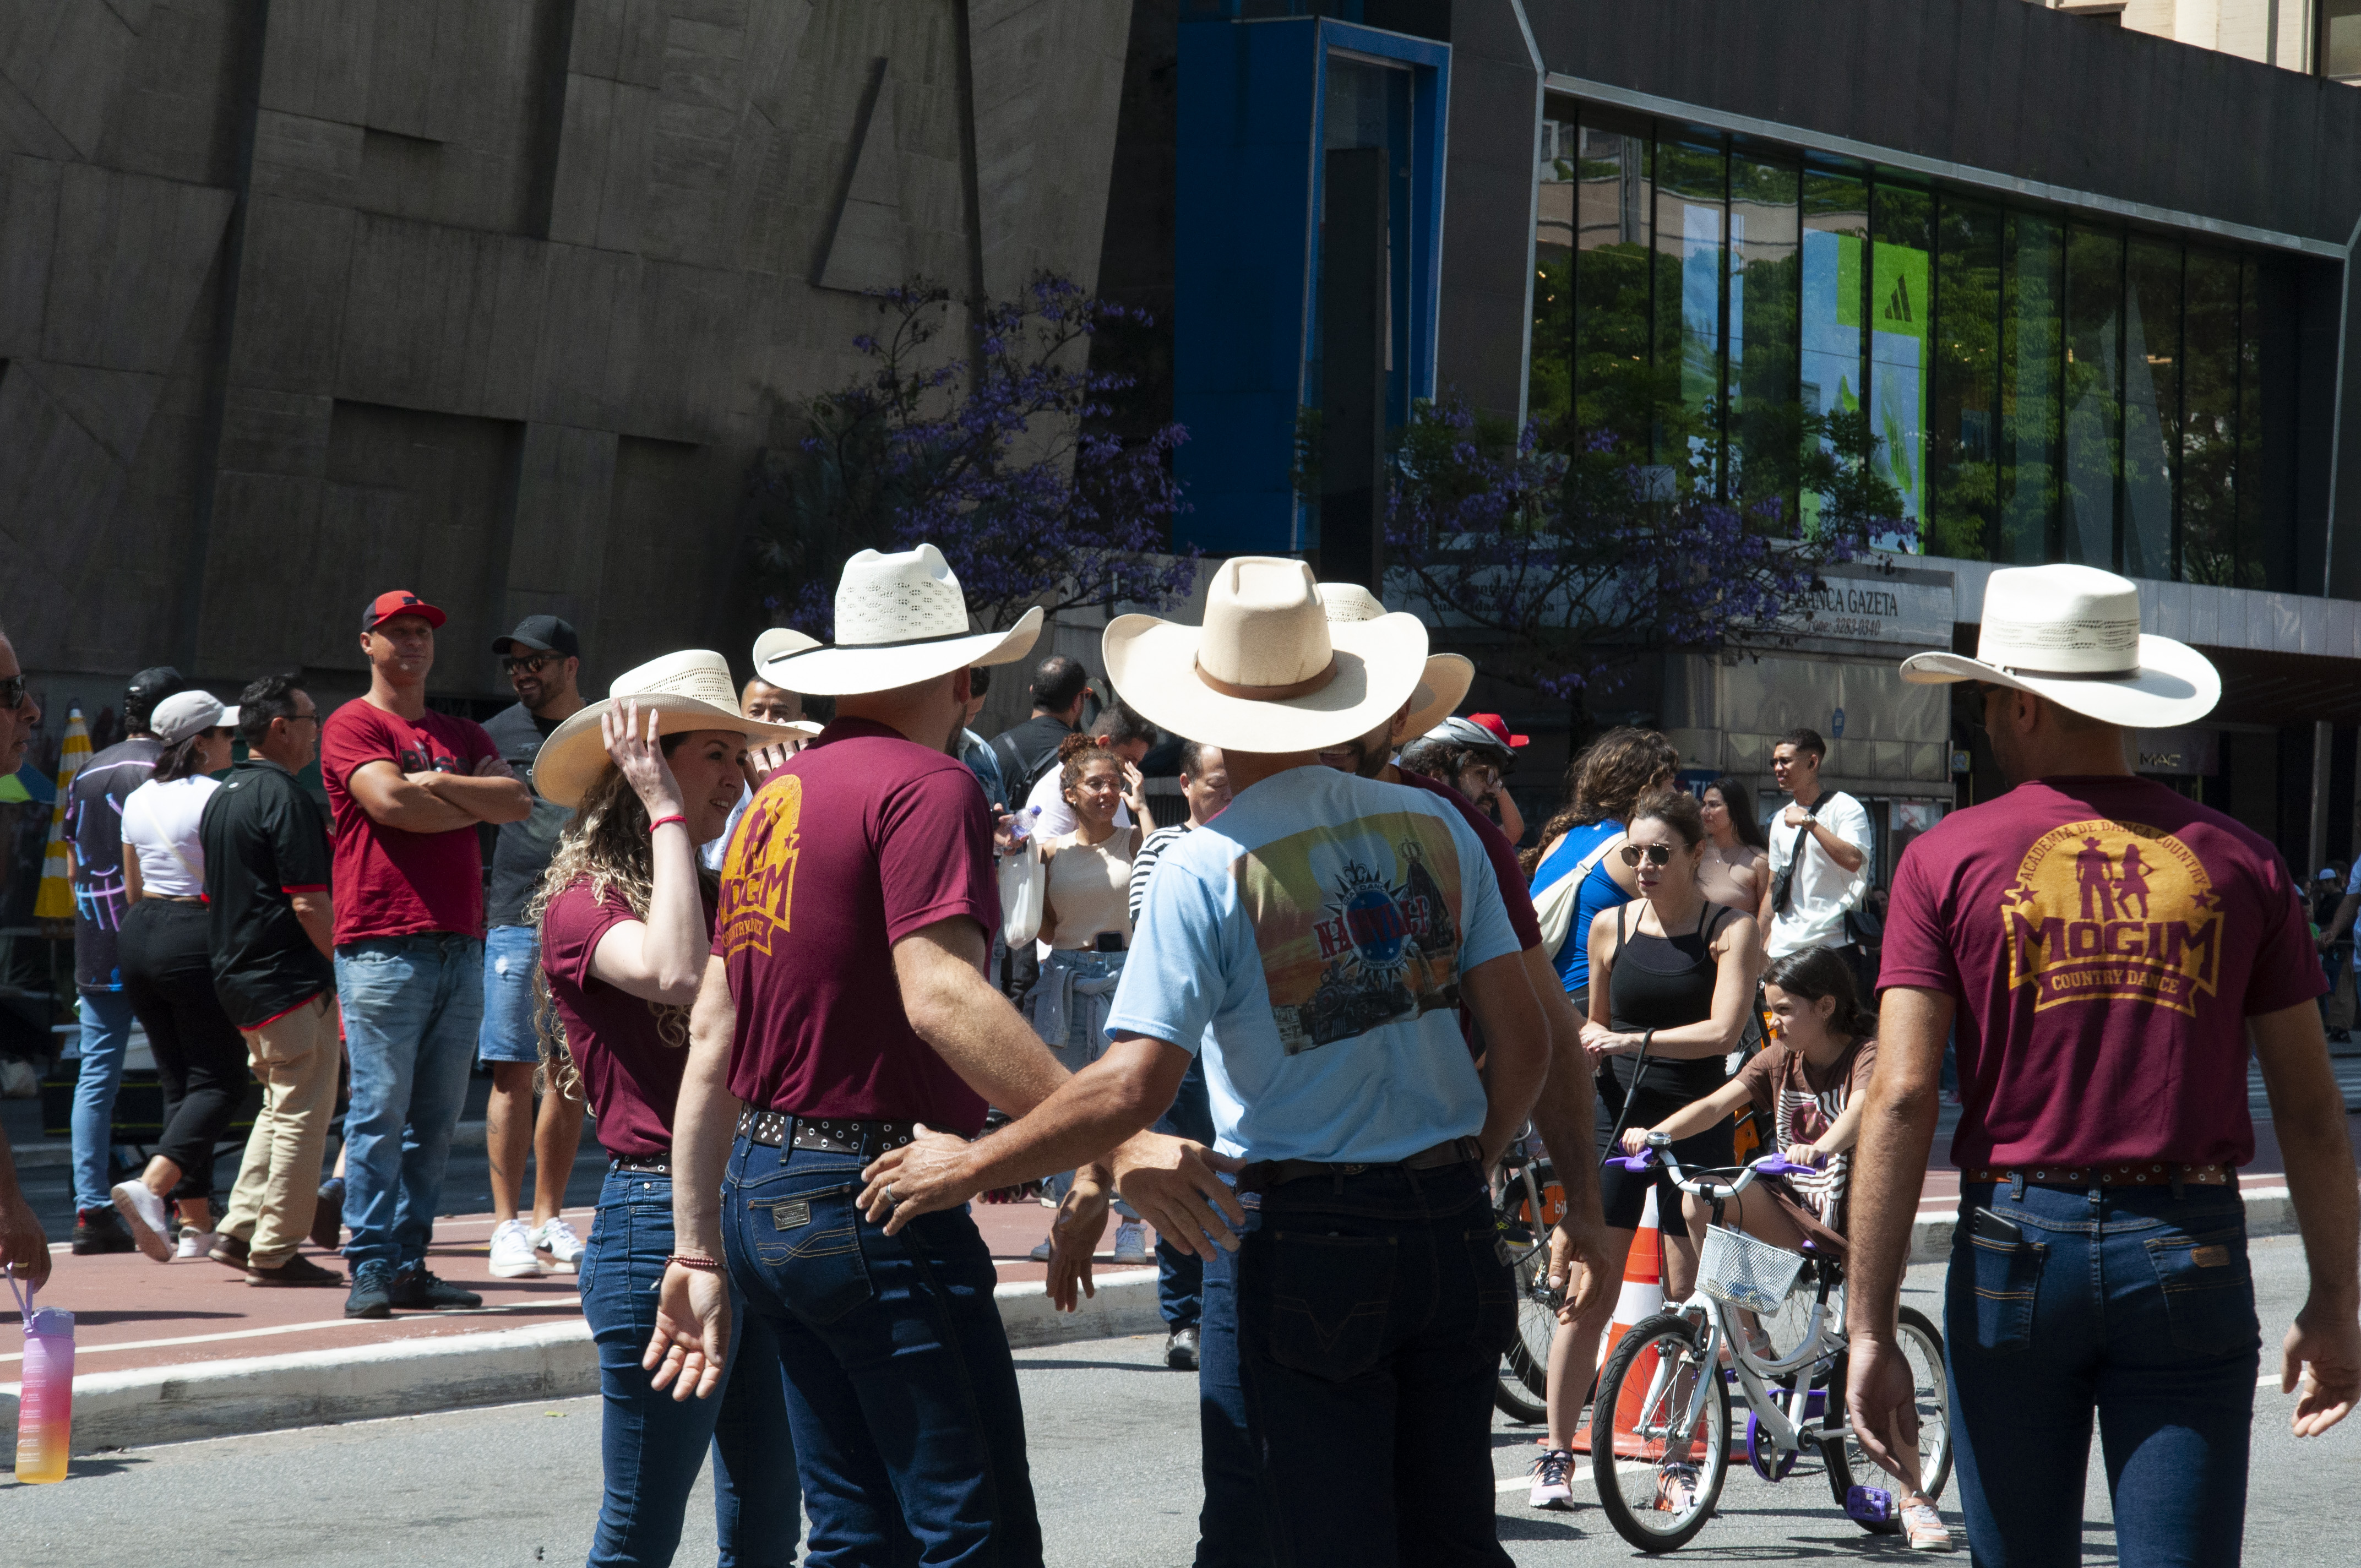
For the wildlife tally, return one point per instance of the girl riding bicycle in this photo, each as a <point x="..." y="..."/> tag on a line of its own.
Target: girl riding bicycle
<point x="1807" y="1089"/>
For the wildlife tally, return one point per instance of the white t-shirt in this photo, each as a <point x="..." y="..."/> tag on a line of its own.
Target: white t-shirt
<point x="1823" y="890"/>
<point x="159" y="825"/>
<point x="1308" y="943"/>
<point x="1057" y="816"/>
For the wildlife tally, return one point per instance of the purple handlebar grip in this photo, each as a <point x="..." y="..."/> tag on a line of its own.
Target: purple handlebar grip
<point x="1779" y="1165"/>
<point x="1633" y="1162"/>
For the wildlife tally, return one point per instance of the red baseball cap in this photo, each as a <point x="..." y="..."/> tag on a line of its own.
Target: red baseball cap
<point x="1500" y="729"/>
<point x="398" y="601"/>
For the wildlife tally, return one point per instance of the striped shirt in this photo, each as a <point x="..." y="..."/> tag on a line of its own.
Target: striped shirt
<point x="1145" y="862"/>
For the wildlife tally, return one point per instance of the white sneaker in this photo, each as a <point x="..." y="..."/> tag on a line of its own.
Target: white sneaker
<point x="1925" y="1529"/>
<point x="558" y="1249"/>
<point x="1040" y="1253"/>
<point x="144" y="1213"/>
<point x="1130" y="1242"/>
<point x="197" y="1244"/>
<point x="1552" y="1479"/>
<point x="512" y="1251"/>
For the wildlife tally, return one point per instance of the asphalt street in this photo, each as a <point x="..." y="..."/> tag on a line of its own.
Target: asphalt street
<point x="1113" y="1449"/>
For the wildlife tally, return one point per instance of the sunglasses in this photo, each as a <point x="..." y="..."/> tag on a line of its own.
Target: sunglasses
<point x="1657" y="854"/>
<point x="528" y="664"/>
<point x="12" y="693"/>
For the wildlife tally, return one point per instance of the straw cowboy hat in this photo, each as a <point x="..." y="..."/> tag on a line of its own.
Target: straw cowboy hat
<point x="1269" y="671"/>
<point x="900" y="618"/>
<point x="778" y="643"/>
<point x="1444" y="684"/>
<point x="2072" y="634"/>
<point x="688" y="690"/>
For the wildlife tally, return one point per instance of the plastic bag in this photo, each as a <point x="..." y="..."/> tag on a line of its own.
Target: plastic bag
<point x="1024" y="881"/>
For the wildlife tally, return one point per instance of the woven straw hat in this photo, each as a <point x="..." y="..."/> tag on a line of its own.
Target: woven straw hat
<point x="1444" y="684"/>
<point x="688" y="690"/>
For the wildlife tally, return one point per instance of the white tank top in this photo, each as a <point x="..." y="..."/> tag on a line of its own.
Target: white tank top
<point x="1090" y="887"/>
<point x="159" y="823"/>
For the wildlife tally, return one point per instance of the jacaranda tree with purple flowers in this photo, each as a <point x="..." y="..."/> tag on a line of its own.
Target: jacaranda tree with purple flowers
<point x="1563" y="562"/>
<point x="997" y="457"/>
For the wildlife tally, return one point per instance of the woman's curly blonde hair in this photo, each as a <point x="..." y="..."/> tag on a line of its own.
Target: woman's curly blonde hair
<point x="605" y="844"/>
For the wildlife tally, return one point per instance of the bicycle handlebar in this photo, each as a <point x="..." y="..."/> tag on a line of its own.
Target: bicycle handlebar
<point x="1769" y="1164"/>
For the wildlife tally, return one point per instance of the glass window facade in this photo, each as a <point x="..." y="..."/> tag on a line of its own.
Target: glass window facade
<point x="2044" y="387"/>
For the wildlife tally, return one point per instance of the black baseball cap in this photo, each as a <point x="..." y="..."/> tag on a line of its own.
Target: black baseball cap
<point x="541" y="634"/>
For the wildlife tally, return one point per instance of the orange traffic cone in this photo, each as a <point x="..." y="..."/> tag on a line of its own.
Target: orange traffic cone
<point x="1643" y="1295"/>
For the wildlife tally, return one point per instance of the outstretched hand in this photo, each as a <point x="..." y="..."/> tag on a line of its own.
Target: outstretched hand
<point x="1074" y="1239"/>
<point x="690" y="1347"/>
<point x="1175" y="1186"/>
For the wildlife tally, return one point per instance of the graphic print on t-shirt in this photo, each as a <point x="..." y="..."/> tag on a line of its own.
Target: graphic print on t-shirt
<point x="2115" y="912"/>
<point x="1356" y="927"/>
<point x="758" y="879"/>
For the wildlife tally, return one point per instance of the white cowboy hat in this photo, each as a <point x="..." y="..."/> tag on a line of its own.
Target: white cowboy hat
<point x="1441" y="687"/>
<point x="1269" y="671"/>
<point x="688" y="690"/>
<point x="778" y="642"/>
<point x="2072" y="634"/>
<point x="900" y="618"/>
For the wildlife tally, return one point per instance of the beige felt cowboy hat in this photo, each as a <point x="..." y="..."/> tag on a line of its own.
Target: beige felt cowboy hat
<point x="690" y="690"/>
<point x="900" y="618"/>
<point x="1444" y="684"/>
<point x="1268" y="671"/>
<point x="2072" y="634"/>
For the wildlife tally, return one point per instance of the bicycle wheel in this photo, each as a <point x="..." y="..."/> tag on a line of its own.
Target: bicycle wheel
<point x="1524" y="1376"/>
<point x="1849" y="1467"/>
<point x="1659" y="1476"/>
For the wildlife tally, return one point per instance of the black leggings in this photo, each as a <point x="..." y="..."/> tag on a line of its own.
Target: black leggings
<point x="168" y="975"/>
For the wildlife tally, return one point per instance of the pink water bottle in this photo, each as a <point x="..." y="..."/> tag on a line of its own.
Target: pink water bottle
<point x="45" y="1410"/>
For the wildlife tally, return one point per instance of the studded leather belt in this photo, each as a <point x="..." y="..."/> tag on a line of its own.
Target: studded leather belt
<point x="2135" y="1173"/>
<point x="1264" y="1175"/>
<point x="825" y="1134"/>
<point x="642" y="1164"/>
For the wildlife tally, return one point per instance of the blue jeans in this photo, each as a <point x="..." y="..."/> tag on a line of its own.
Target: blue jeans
<point x="1373" y="1312"/>
<point x="105" y="1037"/>
<point x="411" y="1008"/>
<point x="2130" y="1302"/>
<point x="909" y="1435"/>
<point x="1233" y="1531"/>
<point x="653" y="1445"/>
<point x="508" y="1032"/>
<point x="1180" y="1275"/>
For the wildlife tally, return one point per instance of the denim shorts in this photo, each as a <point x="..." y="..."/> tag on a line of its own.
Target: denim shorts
<point x="510" y="955"/>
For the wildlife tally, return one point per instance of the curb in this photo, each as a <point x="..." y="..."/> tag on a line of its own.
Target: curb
<point x="149" y="1405"/>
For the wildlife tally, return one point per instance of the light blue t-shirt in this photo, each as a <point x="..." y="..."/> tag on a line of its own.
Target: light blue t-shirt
<point x="1308" y="942"/>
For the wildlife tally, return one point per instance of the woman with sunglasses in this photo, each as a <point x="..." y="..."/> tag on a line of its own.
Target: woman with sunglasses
<point x="1671" y="983"/>
<point x="167" y="977"/>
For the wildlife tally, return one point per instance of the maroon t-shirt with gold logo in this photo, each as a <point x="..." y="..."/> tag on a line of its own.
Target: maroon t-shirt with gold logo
<point x="2106" y="940"/>
<point x="861" y="838"/>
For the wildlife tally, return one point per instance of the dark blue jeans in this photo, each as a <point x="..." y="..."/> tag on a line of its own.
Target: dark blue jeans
<point x="2129" y="1303"/>
<point x="1233" y="1531"/>
<point x="909" y="1433"/>
<point x="1373" y="1312"/>
<point x="1180" y="1275"/>
<point x="652" y="1444"/>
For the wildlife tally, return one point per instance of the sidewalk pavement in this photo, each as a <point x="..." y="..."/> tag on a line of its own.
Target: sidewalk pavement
<point x="172" y="1352"/>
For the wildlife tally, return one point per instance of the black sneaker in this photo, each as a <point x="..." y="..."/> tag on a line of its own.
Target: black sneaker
<point x="101" y="1230"/>
<point x="230" y="1252"/>
<point x="413" y="1286"/>
<point x="1180" y="1349"/>
<point x="328" y="1218"/>
<point x="372" y="1295"/>
<point x="296" y="1270"/>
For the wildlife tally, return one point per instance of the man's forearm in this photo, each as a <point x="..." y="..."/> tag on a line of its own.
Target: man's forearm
<point x="704" y="1122"/>
<point x="492" y="800"/>
<point x="1565" y="1114"/>
<point x="1897" y="1129"/>
<point x="2308" y="1114"/>
<point x="318" y="918"/>
<point x="1096" y="1109"/>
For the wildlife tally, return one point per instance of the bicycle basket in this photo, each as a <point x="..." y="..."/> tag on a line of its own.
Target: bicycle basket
<point x="1736" y="1268"/>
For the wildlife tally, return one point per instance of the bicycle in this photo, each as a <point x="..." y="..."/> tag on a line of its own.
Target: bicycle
<point x="1664" y="1392"/>
<point x="1523" y="1211"/>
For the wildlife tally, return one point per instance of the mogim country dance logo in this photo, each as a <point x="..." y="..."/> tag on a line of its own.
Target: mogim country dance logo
<point x="2113" y="911"/>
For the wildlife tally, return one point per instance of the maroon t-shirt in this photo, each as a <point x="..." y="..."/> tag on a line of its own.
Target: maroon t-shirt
<point x="630" y="1051"/>
<point x="2106" y="940"/>
<point x="390" y="882"/>
<point x="863" y="838"/>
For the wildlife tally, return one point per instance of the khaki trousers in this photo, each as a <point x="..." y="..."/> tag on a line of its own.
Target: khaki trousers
<point x="295" y="1057"/>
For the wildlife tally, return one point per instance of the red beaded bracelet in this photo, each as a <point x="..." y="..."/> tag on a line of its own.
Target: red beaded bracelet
<point x="693" y="1260"/>
<point x="660" y="821"/>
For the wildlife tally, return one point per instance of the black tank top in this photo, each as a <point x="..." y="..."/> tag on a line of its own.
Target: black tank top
<point x="1663" y="982"/>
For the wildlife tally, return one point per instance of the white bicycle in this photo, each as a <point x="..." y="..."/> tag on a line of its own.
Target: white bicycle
<point x="1666" y="1391"/>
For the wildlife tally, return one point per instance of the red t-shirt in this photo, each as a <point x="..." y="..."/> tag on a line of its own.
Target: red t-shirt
<point x="2105" y="939"/>
<point x="390" y="882"/>
<point x="630" y="1051"/>
<point x="861" y="838"/>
